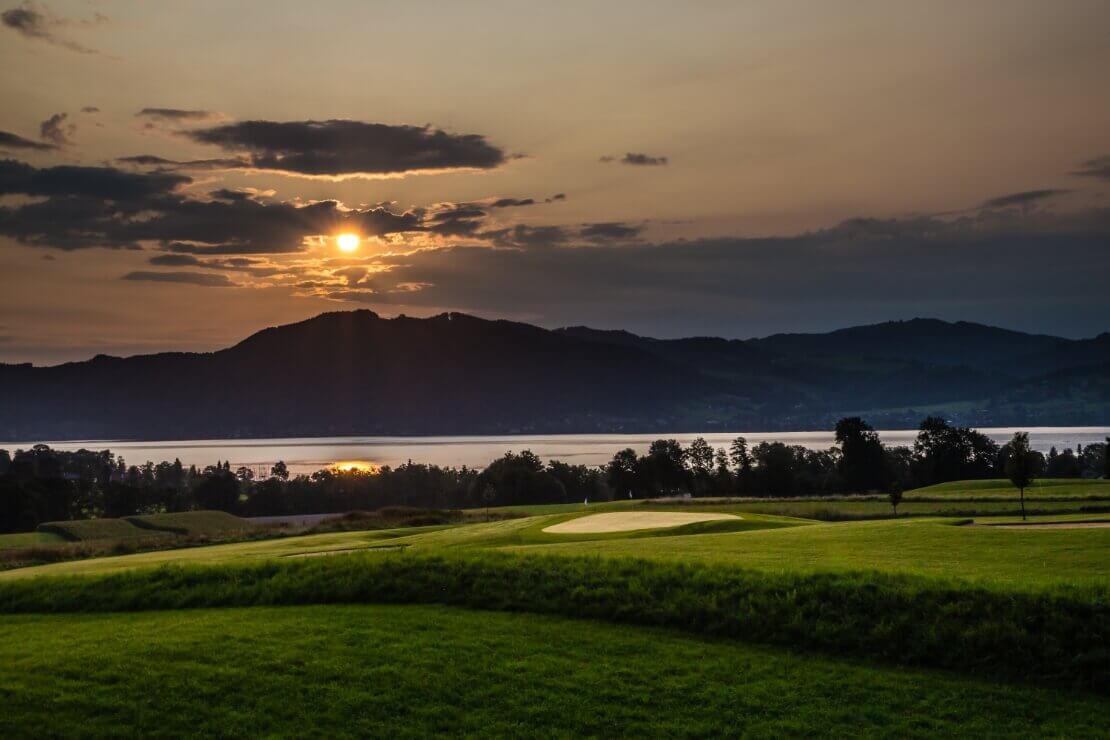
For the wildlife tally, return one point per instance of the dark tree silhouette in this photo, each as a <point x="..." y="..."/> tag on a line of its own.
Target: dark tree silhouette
<point x="1106" y="459"/>
<point x="895" y="497"/>
<point x="489" y="496"/>
<point x="862" y="465"/>
<point x="1021" y="465"/>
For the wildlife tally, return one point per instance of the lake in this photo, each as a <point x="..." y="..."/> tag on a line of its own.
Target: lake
<point x="313" y="453"/>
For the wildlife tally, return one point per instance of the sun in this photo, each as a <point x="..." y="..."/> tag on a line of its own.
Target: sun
<point x="347" y="242"/>
<point x="355" y="466"/>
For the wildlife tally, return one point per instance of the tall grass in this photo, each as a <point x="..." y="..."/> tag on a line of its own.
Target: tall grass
<point x="1059" y="636"/>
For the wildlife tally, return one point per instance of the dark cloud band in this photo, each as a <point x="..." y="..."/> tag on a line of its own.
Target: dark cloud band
<point x="9" y="141"/>
<point x="203" y="279"/>
<point x="342" y="147"/>
<point x="638" y="159"/>
<point x="177" y="114"/>
<point x="1025" y="198"/>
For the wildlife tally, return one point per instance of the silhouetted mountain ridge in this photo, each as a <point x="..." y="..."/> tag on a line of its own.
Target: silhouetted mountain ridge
<point x="355" y="372"/>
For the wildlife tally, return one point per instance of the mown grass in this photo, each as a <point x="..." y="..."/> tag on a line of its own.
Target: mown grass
<point x="1001" y="488"/>
<point x="993" y="502"/>
<point x="990" y="556"/>
<point x="28" y="539"/>
<point x="416" y="671"/>
<point x="1059" y="636"/>
<point x="994" y="557"/>
<point x="99" y="529"/>
<point x="218" y="554"/>
<point x="193" y="523"/>
<point x="833" y="510"/>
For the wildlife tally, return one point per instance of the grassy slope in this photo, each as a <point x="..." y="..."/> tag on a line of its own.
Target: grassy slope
<point x="999" y="488"/>
<point x="217" y="554"/>
<point x="854" y="509"/>
<point x="192" y="522"/>
<point x="416" y="671"/>
<point x="1026" y="559"/>
<point x="99" y="529"/>
<point x="1012" y="559"/>
<point x="29" y="539"/>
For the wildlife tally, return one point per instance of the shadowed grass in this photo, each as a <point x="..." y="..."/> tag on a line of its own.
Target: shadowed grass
<point x="1059" y="636"/>
<point x="416" y="671"/>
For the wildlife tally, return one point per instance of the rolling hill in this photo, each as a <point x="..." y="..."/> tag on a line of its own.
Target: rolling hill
<point x="358" y="373"/>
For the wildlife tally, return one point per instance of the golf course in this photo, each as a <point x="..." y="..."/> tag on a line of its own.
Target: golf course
<point x="670" y="617"/>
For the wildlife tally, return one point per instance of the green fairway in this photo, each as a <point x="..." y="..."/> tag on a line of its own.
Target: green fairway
<point x="413" y="671"/>
<point x="1026" y="559"/>
<point x="960" y="499"/>
<point x="999" y="488"/>
<point x="851" y="509"/>
<point x="217" y="554"/>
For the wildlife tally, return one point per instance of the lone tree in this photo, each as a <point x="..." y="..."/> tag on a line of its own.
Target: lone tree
<point x="1021" y="466"/>
<point x="895" y="497"/>
<point x="489" y="495"/>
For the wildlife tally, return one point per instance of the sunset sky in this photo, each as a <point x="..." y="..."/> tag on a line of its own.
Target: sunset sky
<point x="175" y="175"/>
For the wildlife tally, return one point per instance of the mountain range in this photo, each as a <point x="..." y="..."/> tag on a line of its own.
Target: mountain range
<point x="348" y="373"/>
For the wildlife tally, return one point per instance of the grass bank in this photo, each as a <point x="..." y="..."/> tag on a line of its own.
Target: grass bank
<point x="419" y="671"/>
<point x="1058" y="636"/>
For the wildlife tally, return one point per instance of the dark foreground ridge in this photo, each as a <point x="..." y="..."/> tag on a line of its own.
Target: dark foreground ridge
<point x="1053" y="636"/>
<point x="357" y="373"/>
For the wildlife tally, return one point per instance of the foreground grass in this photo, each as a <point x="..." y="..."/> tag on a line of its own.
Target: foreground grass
<point x="387" y="671"/>
<point x="1060" y="636"/>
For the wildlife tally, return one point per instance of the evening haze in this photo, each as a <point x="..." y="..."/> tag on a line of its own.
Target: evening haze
<point x="177" y="176"/>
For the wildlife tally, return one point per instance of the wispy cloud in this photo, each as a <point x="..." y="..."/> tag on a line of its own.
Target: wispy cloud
<point x="36" y="22"/>
<point x="637" y="159"/>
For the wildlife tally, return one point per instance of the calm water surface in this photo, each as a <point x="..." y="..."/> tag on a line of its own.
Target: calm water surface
<point x="312" y="453"/>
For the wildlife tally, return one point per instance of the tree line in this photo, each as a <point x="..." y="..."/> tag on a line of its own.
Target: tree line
<point x="42" y="484"/>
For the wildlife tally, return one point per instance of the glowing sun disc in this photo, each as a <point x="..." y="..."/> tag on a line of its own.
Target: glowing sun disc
<point x="347" y="242"/>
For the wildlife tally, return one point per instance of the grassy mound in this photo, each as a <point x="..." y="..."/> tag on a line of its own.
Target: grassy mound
<point x="1059" y="636"/>
<point x="188" y="523"/>
<point x="193" y="523"/>
<point x="417" y="671"/>
<point x="80" y="530"/>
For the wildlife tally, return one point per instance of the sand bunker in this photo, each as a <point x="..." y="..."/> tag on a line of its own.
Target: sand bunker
<point x="626" y="521"/>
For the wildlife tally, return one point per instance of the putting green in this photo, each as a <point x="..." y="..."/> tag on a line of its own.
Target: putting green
<point x="627" y="521"/>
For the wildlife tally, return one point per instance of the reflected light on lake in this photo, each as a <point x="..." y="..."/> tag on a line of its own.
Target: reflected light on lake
<point x="309" y="454"/>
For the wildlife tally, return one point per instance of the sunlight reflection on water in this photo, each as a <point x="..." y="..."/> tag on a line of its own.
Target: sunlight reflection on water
<point x="313" y="453"/>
